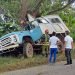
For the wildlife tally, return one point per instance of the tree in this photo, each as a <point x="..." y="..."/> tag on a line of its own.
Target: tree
<point x="61" y="8"/>
<point x="32" y="5"/>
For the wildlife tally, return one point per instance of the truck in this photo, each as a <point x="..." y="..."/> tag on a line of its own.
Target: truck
<point x="27" y="41"/>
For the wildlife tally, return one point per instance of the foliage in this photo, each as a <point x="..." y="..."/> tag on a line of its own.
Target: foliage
<point x="68" y="17"/>
<point x="7" y="28"/>
<point x="66" y="14"/>
<point x="45" y="7"/>
<point x="13" y="8"/>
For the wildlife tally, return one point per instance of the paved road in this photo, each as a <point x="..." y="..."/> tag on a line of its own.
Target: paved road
<point x="50" y="69"/>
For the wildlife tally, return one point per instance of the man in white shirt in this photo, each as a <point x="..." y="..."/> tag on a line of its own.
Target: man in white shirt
<point x="53" y="47"/>
<point x="68" y="47"/>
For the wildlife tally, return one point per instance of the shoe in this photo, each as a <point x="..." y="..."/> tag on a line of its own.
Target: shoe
<point x="70" y="63"/>
<point x="66" y="64"/>
<point x="51" y="63"/>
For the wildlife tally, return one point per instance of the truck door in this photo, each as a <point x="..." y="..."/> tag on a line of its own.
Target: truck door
<point x="35" y="31"/>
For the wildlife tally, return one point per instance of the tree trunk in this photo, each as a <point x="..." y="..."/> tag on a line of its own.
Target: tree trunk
<point x="24" y="7"/>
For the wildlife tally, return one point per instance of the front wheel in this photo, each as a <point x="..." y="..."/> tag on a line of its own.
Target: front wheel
<point x="28" y="50"/>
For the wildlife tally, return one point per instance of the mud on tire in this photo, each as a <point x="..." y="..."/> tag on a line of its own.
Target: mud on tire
<point x="27" y="50"/>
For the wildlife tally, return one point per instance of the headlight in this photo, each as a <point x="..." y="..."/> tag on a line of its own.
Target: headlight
<point x="14" y="38"/>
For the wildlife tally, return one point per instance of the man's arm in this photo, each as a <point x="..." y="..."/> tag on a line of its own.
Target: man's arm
<point x="64" y="44"/>
<point x="61" y="45"/>
<point x="59" y="42"/>
<point x="49" y="42"/>
<point x="72" y="44"/>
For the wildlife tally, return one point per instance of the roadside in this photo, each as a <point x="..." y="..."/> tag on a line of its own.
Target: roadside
<point x="11" y="63"/>
<point x="50" y="69"/>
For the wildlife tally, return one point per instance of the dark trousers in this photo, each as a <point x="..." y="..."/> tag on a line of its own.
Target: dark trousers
<point x="68" y="56"/>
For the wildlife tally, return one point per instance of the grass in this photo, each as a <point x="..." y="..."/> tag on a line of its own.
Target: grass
<point x="12" y="63"/>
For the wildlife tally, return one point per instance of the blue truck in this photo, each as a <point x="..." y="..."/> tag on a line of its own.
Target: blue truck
<point x="26" y="40"/>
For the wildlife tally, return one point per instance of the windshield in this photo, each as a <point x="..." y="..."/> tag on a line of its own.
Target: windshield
<point x="42" y="21"/>
<point x="30" y="25"/>
<point x="35" y="23"/>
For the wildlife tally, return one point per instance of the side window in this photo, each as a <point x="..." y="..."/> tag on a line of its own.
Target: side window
<point x="56" y="24"/>
<point x="57" y="20"/>
<point x="29" y="27"/>
<point x="32" y="27"/>
<point x="54" y="20"/>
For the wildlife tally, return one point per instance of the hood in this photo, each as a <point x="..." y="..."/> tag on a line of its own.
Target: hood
<point x="19" y="33"/>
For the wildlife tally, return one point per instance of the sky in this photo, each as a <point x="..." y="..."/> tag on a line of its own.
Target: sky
<point x="73" y="5"/>
<point x="64" y="3"/>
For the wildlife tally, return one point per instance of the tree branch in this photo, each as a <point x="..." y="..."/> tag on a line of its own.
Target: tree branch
<point x="59" y="9"/>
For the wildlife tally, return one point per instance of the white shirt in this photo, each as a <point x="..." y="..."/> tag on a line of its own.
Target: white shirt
<point x="68" y="40"/>
<point x="53" y="42"/>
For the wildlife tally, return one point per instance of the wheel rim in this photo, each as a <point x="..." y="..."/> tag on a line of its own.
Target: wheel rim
<point x="29" y="50"/>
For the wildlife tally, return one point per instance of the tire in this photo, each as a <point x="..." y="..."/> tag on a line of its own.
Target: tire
<point x="27" y="50"/>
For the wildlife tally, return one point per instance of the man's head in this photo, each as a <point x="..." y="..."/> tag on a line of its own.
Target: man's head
<point x="22" y="22"/>
<point x="54" y="33"/>
<point x="46" y="31"/>
<point x="67" y="32"/>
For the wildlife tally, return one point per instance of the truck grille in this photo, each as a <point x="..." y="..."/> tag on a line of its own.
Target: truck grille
<point x="6" y="41"/>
